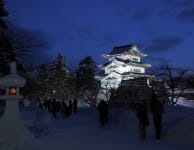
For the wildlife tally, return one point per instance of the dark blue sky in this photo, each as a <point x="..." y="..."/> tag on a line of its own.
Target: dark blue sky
<point x="164" y="29"/>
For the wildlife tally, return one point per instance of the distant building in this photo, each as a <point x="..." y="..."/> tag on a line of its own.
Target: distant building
<point x="124" y="63"/>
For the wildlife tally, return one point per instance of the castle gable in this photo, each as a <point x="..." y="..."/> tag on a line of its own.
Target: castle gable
<point x="120" y="49"/>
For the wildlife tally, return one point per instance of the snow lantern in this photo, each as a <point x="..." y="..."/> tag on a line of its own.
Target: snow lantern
<point x="12" y="82"/>
<point x="11" y="125"/>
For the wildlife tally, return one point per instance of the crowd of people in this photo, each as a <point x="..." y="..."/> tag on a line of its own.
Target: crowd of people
<point x="65" y="109"/>
<point x="60" y="108"/>
<point x="142" y="109"/>
<point x="156" y="108"/>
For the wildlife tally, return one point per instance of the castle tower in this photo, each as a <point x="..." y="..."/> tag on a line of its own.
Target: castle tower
<point x="124" y="63"/>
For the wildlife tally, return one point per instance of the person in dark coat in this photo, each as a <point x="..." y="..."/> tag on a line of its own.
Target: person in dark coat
<point x="66" y="110"/>
<point x="106" y="112"/>
<point x="54" y="108"/>
<point x="62" y="109"/>
<point x="75" y="105"/>
<point x="70" y="107"/>
<point x="45" y="104"/>
<point x="49" y="105"/>
<point x="58" y="106"/>
<point x="142" y="115"/>
<point x="103" y="116"/>
<point x="156" y="107"/>
<point x="41" y="105"/>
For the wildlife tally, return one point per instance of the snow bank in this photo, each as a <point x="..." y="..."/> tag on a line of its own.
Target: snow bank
<point x="83" y="103"/>
<point x="184" y="102"/>
<point x="185" y="91"/>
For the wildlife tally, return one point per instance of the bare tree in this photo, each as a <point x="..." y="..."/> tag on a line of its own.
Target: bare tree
<point x="106" y="88"/>
<point x="174" y="78"/>
<point x="20" y="43"/>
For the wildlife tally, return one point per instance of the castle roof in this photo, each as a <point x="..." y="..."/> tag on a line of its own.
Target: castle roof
<point x="126" y="62"/>
<point x="124" y="75"/>
<point x="129" y="49"/>
<point x="121" y="49"/>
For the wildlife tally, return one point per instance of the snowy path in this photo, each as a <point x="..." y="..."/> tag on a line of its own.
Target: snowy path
<point x="83" y="132"/>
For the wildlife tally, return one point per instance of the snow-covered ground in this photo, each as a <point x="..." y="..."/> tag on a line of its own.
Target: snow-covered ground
<point x="185" y="91"/>
<point x="186" y="103"/>
<point x="83" y="132"/>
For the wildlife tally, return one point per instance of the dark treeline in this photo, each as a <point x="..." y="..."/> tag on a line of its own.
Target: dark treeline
<point x="55" y="80"/>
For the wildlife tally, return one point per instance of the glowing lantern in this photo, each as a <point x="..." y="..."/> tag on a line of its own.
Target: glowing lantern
<point x="12" y="91"/>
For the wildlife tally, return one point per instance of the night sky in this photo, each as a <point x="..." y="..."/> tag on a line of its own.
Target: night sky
<point x="163" y="29"/>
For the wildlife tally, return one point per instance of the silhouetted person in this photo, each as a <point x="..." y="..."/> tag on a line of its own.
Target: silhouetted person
<point x="75" y="105"/>
<point x="106" y="112"/>
<point x="46" y="104"/>
<point x="156" y="108"/>
<point x="41" y="105"/>
<point x="66" y="109"/>
<point x="70" y="107"/>
<point x="58" y="106"/>
<point x="54" y="108"/>
<point x="142" y="115"/>
<point x="102" y="108"/>
<point x="62" y="109"/>
<point x="49" y="103"/>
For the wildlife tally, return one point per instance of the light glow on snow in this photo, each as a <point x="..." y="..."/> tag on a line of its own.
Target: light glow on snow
<point x="83" y="132"/>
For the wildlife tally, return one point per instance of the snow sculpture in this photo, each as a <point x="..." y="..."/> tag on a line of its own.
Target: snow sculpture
<point x="11" y="126"/>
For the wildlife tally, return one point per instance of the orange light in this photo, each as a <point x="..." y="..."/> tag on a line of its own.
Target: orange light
<point x="12" y="91"/>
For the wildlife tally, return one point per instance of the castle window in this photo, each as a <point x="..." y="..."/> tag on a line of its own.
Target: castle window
<point x="137" y="70"/>
<point x="135" y="59"/>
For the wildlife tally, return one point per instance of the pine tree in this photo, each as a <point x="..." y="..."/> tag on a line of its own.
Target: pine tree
<point x="7" y="52"/>
<point x="58" y="78"/>
<point x="5" y="46"/>
<point x="85" y="80"/>
<point x="3" y="13"/>
<point x="41" y="80"/>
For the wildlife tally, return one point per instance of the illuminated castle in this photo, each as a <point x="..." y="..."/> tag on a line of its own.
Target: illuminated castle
<point x="124" y="63"/>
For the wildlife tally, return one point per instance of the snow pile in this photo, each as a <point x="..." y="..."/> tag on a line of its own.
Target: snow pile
<point x="83" y="103"/>
<point x="188" y="91"/>
<point x="185" y="91"/>
<point x="184" y="102"/>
